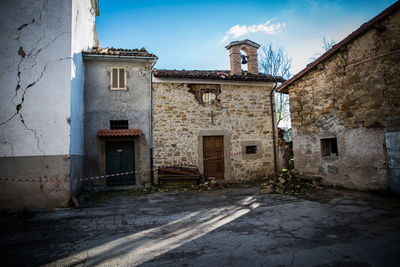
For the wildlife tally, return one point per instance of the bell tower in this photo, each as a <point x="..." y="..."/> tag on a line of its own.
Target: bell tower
<point x="250" y="48"/>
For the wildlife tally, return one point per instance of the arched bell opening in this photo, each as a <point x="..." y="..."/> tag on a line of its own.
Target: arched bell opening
<point x="244" y="59"/>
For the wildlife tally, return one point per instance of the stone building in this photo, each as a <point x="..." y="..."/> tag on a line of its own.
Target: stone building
<point x="117" y="115"/>
<point x="41" y="100"/>
<point x="224" y="116"/>
<point x="345" y="108"/>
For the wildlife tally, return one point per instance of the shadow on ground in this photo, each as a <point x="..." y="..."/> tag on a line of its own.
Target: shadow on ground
<point x="225" y="227"/>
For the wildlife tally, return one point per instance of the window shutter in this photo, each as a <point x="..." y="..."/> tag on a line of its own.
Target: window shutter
<point x="114" y="76"/>
<point x="121" y="78"/>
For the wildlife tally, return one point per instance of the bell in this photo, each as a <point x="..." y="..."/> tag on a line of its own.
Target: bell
<point x="244" y="59"/>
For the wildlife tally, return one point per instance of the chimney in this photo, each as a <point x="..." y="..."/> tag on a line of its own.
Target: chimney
<point x="250" y="48"/>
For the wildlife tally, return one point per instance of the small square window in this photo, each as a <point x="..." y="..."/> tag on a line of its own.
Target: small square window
<point x="251" y="149"/>
<point x="329" y="147"/>
<point x="120" y="124"/>
<point x="118" y="79"/>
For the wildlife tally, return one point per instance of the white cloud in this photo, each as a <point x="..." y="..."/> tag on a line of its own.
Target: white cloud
<point x="240" y="30"/>
<point x="224" y="39"/>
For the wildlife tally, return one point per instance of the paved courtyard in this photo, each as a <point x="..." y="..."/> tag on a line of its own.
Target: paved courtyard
<point x="229" y="227"/>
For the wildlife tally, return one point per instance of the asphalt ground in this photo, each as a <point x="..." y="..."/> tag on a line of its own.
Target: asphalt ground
<point x="228" y="227"/>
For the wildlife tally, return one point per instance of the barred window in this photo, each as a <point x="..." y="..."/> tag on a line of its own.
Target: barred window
<point x="208" y="97"/>
<point x="119" y="124"/>
<point x="251" y="149"/>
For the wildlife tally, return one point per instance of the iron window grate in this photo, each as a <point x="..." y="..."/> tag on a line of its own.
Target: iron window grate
<point x="119" y="124"/>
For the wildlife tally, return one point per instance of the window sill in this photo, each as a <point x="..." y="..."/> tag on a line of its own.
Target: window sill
<point x="331" y="157"/>
<point x="252" y="156"/>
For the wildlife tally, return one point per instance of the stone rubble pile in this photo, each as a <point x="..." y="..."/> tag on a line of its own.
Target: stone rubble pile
<point x="210" y="185"/>
<point x="287" y="182"/>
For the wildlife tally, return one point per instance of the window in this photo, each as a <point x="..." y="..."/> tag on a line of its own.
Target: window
<point x="251" y="149"/>
<point x="208" y="97"/>
<point x="118" y="79"/>
<point x="121" y="124"/>
<point x="329" y="147"/>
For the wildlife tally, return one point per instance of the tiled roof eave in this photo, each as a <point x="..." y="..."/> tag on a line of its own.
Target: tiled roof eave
<point x="220" y="79"/>
<point x="112" y="56"/>
<point x="214" y="75"/>
<point x="119" y="53"/>
<point x="119" y="132"/>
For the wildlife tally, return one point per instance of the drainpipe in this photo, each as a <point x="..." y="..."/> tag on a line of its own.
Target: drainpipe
<point x="151" y="124"/>
<point x="271" y="95"/>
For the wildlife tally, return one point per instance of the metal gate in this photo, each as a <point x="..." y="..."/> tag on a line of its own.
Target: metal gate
<point x="119" y="159"/>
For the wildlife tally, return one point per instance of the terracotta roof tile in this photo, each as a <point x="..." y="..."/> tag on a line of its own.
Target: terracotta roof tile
<point x="350" y="38"/>
<point x="119" y="132"/>
<point x="119" y="52"/>
<point x="216" y="75"/>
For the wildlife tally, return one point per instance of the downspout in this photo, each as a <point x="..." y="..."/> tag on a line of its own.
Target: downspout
<point x="151" y="124"/>
<point x="271" y="95"/>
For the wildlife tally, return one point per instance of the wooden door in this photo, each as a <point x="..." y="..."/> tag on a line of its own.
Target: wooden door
<point x="119" y="159"/>
<point x="213" y="154"/>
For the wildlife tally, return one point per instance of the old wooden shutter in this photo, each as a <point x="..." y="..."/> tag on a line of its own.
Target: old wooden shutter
<point x="114" y="77"/>
<point x="121" y="78"/>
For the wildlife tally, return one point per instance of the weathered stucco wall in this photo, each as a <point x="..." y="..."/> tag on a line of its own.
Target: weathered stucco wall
<point x="243" y="114"/>
<point x="103" y="105"/>
<point x="83" y="37"/>
<point x="355" y="97"/>
<point x="35" y="62"/>
<point x="35" y="103"/>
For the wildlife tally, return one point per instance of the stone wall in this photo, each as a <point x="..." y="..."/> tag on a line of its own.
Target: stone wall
<point x="355" y="97"/>
<point x="242" y="113"/>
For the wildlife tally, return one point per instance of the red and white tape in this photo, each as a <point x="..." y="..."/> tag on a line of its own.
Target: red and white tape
<point x="116" y="174"/>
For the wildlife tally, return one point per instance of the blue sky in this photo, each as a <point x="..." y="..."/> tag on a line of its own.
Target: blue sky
<point x="193" y="34"/>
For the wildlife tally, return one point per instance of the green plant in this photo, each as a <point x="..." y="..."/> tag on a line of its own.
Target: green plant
<point x="291" y="163"/>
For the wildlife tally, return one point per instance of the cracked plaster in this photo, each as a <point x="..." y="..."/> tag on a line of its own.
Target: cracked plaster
<point x="42" y="78"/>
<point x="35" y="52"/>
